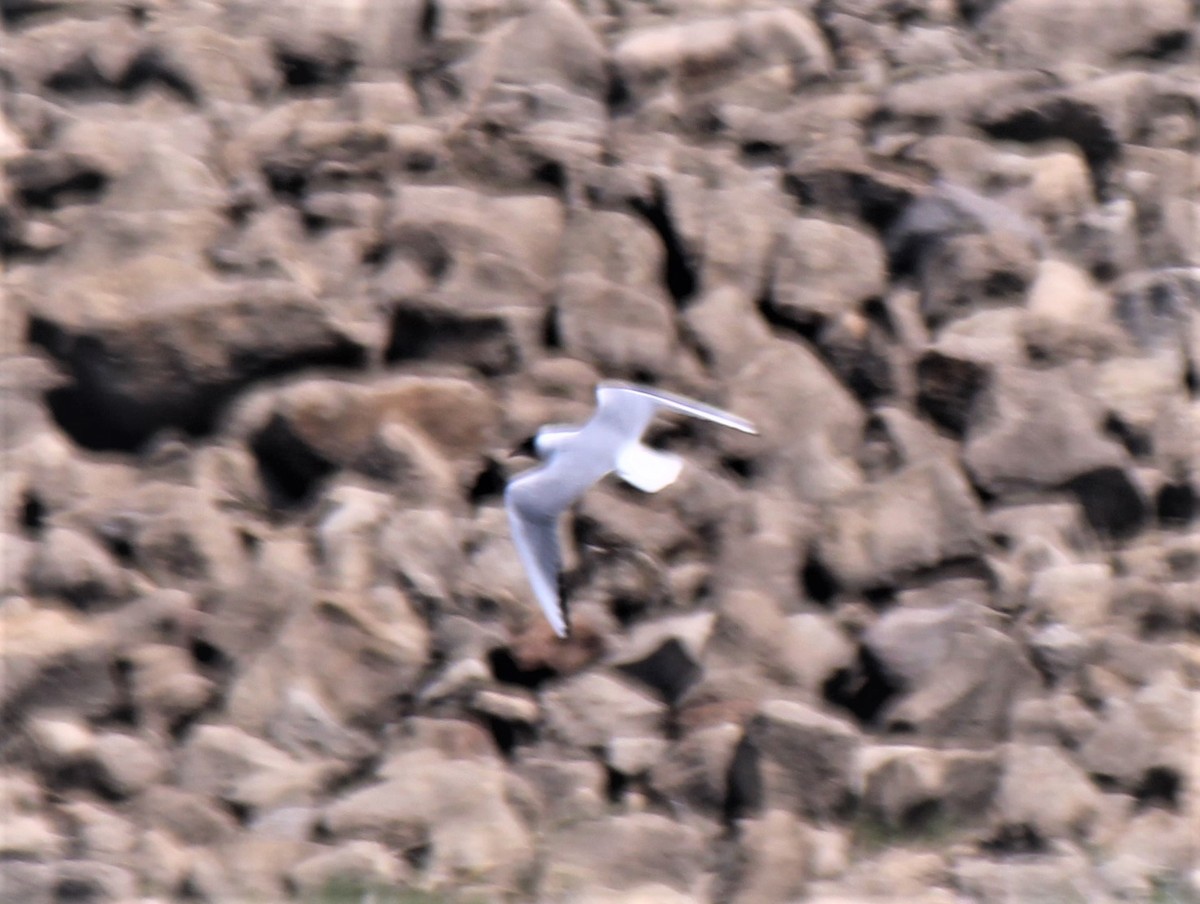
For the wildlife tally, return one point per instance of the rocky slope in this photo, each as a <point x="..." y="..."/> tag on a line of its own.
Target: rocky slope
<point x="284" y="282"/>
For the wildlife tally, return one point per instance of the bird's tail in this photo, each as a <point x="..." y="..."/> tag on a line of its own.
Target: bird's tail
<point x="647" y="469"/>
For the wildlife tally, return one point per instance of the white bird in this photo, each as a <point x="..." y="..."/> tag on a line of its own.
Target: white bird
<point x="578" y="456"/>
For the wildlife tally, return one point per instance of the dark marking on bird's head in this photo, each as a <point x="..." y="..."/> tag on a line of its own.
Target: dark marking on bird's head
<point x="528" y="447"/>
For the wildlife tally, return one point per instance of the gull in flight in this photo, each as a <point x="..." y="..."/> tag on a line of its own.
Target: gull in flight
<point x="575" y="457"/>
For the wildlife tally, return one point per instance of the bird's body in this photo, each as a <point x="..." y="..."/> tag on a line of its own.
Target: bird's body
<point x="577" y="457"/>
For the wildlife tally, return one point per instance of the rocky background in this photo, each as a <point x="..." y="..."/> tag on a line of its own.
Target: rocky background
<point x="285" y="282"/>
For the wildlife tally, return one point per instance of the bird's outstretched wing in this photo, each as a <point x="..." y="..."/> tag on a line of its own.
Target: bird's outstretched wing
<point x="634" y="406"/>
<point x="534" y="501"/>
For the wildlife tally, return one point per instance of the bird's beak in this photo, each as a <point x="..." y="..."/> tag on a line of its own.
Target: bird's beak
<point x="525" y="447"/>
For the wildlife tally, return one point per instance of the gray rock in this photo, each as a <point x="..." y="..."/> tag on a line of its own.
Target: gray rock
<point x="29" y="882"/>
<point x="360" y="864"/>
<point x="1138" y="738"/>
<point x="568" y="791"/>
<point x="910" y="875"/>
<point x="665" y="655"/>
<point x="993" y="244"/>
<point x="1153" y="853"/>
<point x="823" y="270"/>
<point x="164" y="685"/>
<point x="1152" y="305"/>
<point x="774" y="855"/>
<point x="392" y="430"/>
<point x="455" y="806"/>
<point x="508" y="705"/>
<point x="631" y="756"/>
<point x="590" y="709"/>
<point x="31" y="836"/>
<point x="422" y="549"/>
<point x="249" y="614"/>
<point x="60" y="742"/>
<point x="353" y="653"/>
<point x="722" y="322"/>
<point x="91" y="881"/>
<point x="126" y="765"/>
<point x="228" y="764"/>
<point x="1029" y="772"/>
<point x="1067" y="315"/>
<point x="696" y="768"/>
<point x="1050" y="878"/>
<point x="806" y="757"/>
<point x="901" y="785"/>
<point x="190" y="818"/>
<point x="957" y="676"/>
<point x="810" y="424"/>
<point x="54" y="660"/>
<point x="1098" y="34"/>
<point x="103" y="834"/>
<point x="1038" y="430"/>
<point x="217" y="65"/>
<point x="626" y="329"/>
<point x="179" y="365"/>
<point x="440" y="331"/>
<point x="175" y="535"/>
<point x="480" y="252"/>
<point x="1059" y="651"/>
<point x="916" y="519"/>
<point x="623" y="852"/>
<point x="1076" y="595"/>
<point x="74" y="566"/>
<point x="702" y="52"/>
<point x="608" y="518"/>
<point x="553" y="43"/>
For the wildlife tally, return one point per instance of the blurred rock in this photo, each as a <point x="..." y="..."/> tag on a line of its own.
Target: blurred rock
<point x="180" y="366"/>
<point x="956" y="676"/>
<point x="1140" y="742"/>
<point x="966" y="249"/>
<point x="232" y="766"/>
<point x="392" y="430"/>
<point x="702" y="51"/>
<point x="696" y="767"/>
<point x="92" y="881"/>
<point x="75" y="567"/>
<point x="915" y="519"/>
<point x="364" y="864"/>
<point x="54" y="660"/>
<point x="809" y="424"/>
<point x="352" y="653"/>
<point x="774" y="859"/>
<point x="32" y="882"/>
<point x="915" y="789"/>
<point x="568" y="790"/>
<point x="1062" y="877"/>
<point x="806" y="757"/>
<point x="185" y="816"/>
<point x="164" y="685"/>
<point x="823" y="270"/>
<point x="1022" y="801"/>
<point x="589" y="709"/>
<point x="174" y="534"/>
<point x="103" y="834"/>
<point x="284" y="282"/>
<point x="623" y="852"/>
<point x="126" y="765"/>
<point x="454" y="807"/>
<point x="1098" y="34"/>
<point x="1075" y="595"/>
<point x="1037" y="430"/>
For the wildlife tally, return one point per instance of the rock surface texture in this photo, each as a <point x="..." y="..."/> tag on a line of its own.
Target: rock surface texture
<point x="283" y="285"/>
